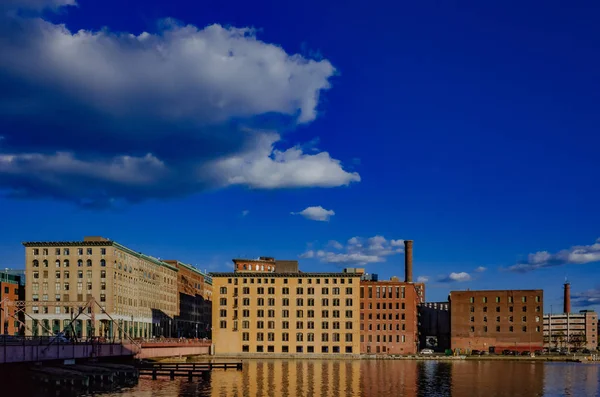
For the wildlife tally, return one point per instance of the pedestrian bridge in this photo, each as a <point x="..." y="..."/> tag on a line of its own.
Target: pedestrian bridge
<point x="23" y="350"/>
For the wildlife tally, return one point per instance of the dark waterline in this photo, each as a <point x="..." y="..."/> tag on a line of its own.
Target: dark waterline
<point x="275" y="378"/>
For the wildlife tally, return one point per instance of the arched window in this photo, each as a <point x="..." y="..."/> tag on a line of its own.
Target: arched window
<point x="66" y="263"/>
<point x="245" y="267"/>
<point x="102" y="263"/>
<point x="36" y="263"/>
<point x="89" y="263"/>
<point x="45" y="263"/>
<point x="79" y="263"/>
<point x="58" y="263"/>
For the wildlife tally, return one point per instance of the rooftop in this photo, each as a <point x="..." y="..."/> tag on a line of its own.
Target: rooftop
<point x="290" y="275"/>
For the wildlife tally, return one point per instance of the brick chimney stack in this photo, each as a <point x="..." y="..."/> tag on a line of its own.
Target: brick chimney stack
<point x="408" y="245"/>
<point x="567" y="298"/>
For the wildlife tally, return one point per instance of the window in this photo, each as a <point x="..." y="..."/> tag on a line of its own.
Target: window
<point x="524" y="328"/>
<point x="538" y="299"/>
<point x="497" y="299"/>
<point x="510" y="329"/>
<point x="349" y="291"/>
<point x="223" y="290"/>
<point x="102" y="263"/>
<point x="245" y="324"/>
<point x="484" y="299"/>
<point x="524" y="299"/>
<point x="299" y="337"/>
<point x="485" y="309"/>
<point x="472" y="299"/>
<point x="79" y="263"/>
<point x="223" y="324"/>
<point x="88" y="263"/>
<point x="223" y="301"/>
<point x="260" y="337"/>
<point x="325" y="291"/>
<point x="524" y="309"/>
<point x="472" y="319"/>
<point x="89" y="251"/>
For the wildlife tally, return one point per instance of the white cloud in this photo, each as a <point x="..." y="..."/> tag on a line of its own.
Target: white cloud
<point x="587" y="298"/>
<point x="456" y="277"/>
<point x="576" y="255"/>
<point x="316" y="213"/>
<point x="335" y="244"/>
<point x="480" y="269"/>
<point x="262" y="166"/>
<point x="422" y="279"/>
<point x="357" y="251"/>
<point x="189" y="99"/>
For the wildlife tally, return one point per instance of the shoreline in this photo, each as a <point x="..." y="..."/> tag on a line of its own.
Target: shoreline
<point x="572" y="359"/>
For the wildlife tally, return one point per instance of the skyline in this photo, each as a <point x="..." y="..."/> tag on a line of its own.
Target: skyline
<point x="203" y="133"/>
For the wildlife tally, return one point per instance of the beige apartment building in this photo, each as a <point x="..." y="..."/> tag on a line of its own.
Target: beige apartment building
<point x="118" y="291"/>
<point x="571" y="330"/>
<point x="285" y="313"/>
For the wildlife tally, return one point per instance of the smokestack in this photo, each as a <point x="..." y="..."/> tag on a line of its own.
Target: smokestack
<point x="408" y="244"/>
<point x="567" y="298"/>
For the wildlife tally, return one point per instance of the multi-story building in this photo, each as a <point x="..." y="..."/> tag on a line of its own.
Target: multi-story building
<point x="496" y="320"/>
<point x="292" y="312"/>
<point x="434" y="326"/>
<point x="194" y="301"/>
<point x="388" y="317"/>
<point x="571" y="330"/>
<point x="388" y="311"/>
<point x="11" y="291"/>
<point x="98" y="287"/>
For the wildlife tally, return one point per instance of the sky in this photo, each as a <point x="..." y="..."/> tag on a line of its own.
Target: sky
<point x="327" y="132"/>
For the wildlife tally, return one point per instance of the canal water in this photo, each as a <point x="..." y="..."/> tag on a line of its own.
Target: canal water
<point x="383" y="378"/>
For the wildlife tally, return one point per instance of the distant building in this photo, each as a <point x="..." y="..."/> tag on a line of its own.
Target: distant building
<point x="571" y="330"/>
<point x="11" y="290"/>
<point x="388" y="311"/>
<point x="194" y="318"/>
<point x="98" y="287"/>
<point x="434" y="325"/>
<point x="496" y="320"/>
<point x="266" y="307"/>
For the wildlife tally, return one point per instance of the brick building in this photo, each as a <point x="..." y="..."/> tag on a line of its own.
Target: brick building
<point x="11" y="290"/>
<point x="194" y="290"/>
<point x="388" y="311"/>
<point x="262" y="311"/>
<point x="388" y="317"/>
<point x="496" y="320"/>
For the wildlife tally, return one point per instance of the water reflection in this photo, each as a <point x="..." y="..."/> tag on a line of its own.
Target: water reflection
<point x="384" y="379"/>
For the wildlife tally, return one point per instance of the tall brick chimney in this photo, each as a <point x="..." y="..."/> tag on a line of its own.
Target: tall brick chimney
<point x="408" y="245"/>
<point x="567" y="298"/>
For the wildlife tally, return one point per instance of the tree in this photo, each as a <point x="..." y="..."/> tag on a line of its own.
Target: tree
<point x="559" y="338"/>
<point x="577" y="340"/>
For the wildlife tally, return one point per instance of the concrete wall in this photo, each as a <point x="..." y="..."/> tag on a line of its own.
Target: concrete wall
<point x="33" y="353"/>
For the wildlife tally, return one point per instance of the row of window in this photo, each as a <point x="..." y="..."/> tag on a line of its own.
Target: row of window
<point x="510" y="319"/>
<point x="285" y="337"/>
<point x="384" y="327"/>
<point x="286" y="302"/>
<point x="66" y="263"/>
<point x="510" y="309"/>
<point x="234" y="281"/>
<point x="299" y="349"/>
<point x="65" y="287"/>
<point x="510" y="299"/>
<point x="384" y="292"/>
<point x="286" y="325"/>
<point x="286" y="291"/>
<point x="382" y="316"/>
<point x="510" y="329"/>
<point x="383" y="306"/>
<point x="384" y="338"/>
<point x="67" y="274"/>
<point x="286" y="313"/>
<point x="67" y="251"/>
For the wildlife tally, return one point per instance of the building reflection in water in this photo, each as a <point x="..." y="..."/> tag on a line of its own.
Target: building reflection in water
<point x="383" y="378"/>
<point x="276" y="378"/>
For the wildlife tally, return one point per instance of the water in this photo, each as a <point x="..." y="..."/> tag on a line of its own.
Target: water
<point x="281" y="378"/>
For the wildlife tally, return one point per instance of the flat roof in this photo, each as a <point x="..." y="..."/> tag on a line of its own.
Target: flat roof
<point x="98" y="243"/>
<point x="290" y="275"/>
<point x="496" y="290"/>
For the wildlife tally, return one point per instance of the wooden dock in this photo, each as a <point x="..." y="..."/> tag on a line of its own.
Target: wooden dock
<point x="184" y="370"/>
<point x="59" y="377"/>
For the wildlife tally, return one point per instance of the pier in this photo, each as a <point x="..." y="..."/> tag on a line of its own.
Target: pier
<point x="184" y="370"/>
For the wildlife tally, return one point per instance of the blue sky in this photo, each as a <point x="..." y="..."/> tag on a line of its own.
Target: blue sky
<point x="245" y="129"/>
